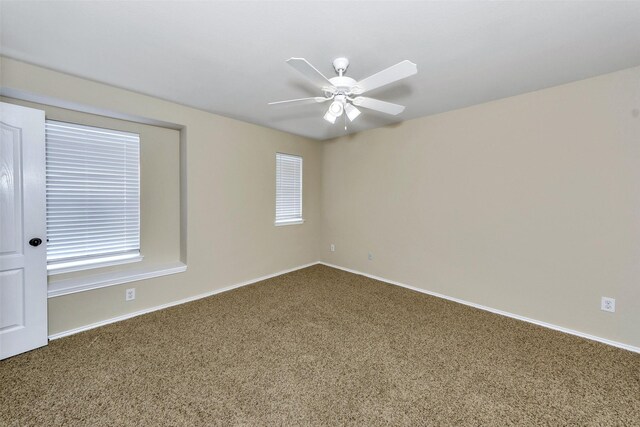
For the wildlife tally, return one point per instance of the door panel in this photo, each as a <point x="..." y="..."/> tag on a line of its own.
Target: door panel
<point x="12" y="289"/>
<point x="23" y="268"/>
<point x="11" y="192"/>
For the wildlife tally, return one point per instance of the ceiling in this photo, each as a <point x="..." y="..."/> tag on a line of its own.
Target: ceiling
<point x="229" y="57"/>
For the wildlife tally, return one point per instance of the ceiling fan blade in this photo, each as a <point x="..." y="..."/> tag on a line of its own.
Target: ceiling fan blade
<point x="314" y="99"/>
<point x="310" y="72"/>
<point x="394" y="73"/>
<point x="376" y="104"/>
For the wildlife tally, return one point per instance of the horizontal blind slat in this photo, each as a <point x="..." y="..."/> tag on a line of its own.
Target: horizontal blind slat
<point x="89" y="255"/>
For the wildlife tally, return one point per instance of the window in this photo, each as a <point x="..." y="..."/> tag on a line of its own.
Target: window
<point x="93" y="197"/>
<point x="288" y="189"/>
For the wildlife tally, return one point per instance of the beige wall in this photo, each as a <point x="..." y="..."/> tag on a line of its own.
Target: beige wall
<point x="230" y="174"/>
<point x="529" y="204"/>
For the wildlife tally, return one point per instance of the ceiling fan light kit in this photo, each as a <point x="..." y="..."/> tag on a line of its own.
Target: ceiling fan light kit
<point x="352" y="112"/>
<point x="335" y="110"/>
<point x="344" y="92"/>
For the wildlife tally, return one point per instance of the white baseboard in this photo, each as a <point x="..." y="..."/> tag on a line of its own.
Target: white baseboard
<point x="172" y="303"/>
<point x="492" y="310"/>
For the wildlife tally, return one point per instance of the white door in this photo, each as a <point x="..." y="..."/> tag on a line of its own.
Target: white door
<point x="23" y="253"/>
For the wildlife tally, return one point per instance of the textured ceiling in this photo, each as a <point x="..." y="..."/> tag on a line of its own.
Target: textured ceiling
<point x="228" y="57"/>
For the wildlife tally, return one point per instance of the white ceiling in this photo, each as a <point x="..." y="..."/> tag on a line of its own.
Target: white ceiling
<point x="228" y="57"/>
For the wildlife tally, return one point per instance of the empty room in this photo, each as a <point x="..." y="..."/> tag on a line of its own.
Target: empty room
<point x="256" y="213"/>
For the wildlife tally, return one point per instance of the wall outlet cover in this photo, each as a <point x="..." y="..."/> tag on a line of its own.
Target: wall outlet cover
<point x="608" y="304"/>
<point x="130" y="294"/>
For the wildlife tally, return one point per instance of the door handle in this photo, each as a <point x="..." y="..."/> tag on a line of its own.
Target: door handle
<point x="35" y="241"/>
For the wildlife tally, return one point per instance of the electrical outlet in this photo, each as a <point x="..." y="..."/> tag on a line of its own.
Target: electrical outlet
<point x="130" y="294"/>
<point x="608" y="304"/>
<point x="332" y="248"/>
<point x="370" y="256"/>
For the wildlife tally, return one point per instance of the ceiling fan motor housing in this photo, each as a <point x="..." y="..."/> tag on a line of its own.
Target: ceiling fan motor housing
<point x="343" y="84"/>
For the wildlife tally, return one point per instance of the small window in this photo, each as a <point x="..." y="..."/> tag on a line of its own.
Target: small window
<point x="288" y="189"/>
<point x="93" y="197"/>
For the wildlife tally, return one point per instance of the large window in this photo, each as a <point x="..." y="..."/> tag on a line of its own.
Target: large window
<point x="288" y="189"/>
<point x="93" y="196"/>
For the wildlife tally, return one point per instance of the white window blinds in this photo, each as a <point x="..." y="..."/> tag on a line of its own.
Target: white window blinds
<point x="288" y="189"/>
<point x="93" y="195"/>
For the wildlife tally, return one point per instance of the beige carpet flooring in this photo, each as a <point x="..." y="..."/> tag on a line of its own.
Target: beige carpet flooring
<point x="321" y="346"/>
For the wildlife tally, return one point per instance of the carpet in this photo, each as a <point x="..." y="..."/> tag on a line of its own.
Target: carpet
<point x="320" y="346"/>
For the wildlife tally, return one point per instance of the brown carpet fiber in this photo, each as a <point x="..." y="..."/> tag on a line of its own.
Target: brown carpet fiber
<point x="321" y="346"/>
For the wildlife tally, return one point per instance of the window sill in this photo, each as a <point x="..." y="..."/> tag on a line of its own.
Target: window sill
<point x="289" y="222"/>
<point x="70" y="286"/>
<point x="69" y="267"/>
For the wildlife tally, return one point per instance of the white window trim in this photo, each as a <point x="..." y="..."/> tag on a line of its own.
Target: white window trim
<point x="86" y="264"/>
<point x="289" y="222"/>
<point x="58" y="288"/>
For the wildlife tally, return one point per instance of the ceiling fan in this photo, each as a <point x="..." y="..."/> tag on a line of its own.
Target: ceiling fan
<point x="344" y="92"/>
